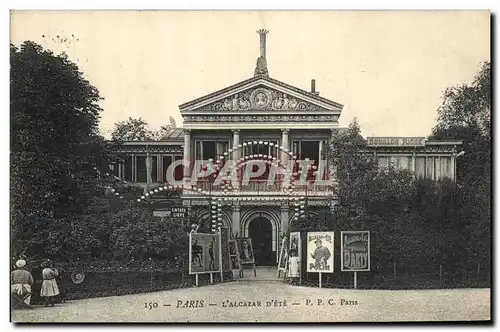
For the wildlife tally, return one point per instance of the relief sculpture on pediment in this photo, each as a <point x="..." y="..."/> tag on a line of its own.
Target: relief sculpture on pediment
<point x="260" y="99"/>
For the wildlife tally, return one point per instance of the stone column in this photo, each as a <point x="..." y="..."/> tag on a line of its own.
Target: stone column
<point x="187" y="155"/>
<point x="414" y="164"/>
<point x="452" y="166"/>
<point x="236" y="154"/>
<point x="236" y="223"/>
<point x="133" y="168"/>
<point x="286" y="145"/>
<point x="285" y="217"/>
<point x="159" y="168"/>
<point x="149" y="170"/>
<point x="320" y="155"/>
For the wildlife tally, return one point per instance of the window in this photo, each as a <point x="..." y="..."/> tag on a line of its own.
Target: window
<point x="167" y="160"/>
<point x="445" y="167"/>
<point x="210" y="149"/>
<point x="179" y="169"/>
<point x="141" y="170"/>
<point x="257" y="149"/>
<point x="429" y="168"/>
<point x="128" y="168"/>
<point x="383" y="162"/>
<point x="140" y="173"/>
<point x="420" y="167"/>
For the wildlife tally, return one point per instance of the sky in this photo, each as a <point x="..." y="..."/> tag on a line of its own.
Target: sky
<point x="388" y="69"/>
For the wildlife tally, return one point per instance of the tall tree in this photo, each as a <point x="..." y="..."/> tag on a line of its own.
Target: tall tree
<point x="56" y="152"/>
<point x="131" y="130"/>
<point x="465" y="114"/>
<point x="138" y="130"/>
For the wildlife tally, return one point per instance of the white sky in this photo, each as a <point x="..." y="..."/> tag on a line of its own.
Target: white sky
<point x="389" y="69"/>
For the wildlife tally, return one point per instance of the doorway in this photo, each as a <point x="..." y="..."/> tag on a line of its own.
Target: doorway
<point x="260" y="231"/>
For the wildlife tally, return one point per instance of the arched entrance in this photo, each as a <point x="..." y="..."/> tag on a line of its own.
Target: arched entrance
<point x="260" y="231"/>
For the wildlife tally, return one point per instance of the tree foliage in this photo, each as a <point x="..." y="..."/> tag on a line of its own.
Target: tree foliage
<point x="416" y="223"/>
<point x="138" y="130"/>
<point x="56" y="152"/>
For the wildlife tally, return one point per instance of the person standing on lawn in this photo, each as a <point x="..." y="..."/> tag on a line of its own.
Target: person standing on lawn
<point x="49" y="285"/>
<point x="21" y="281"/>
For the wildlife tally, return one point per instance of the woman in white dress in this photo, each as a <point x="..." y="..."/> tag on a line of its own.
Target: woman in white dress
<point x="49" y="285"/>
<point x="293" y="265"/>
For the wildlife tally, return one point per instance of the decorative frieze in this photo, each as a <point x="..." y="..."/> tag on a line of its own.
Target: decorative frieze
<point x="261" y="99"/>
<point x="259" y="118"/>
<point x="153" y="149"/>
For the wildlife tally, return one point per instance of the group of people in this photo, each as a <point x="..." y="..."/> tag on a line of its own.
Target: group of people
<point x="22" y="282"/>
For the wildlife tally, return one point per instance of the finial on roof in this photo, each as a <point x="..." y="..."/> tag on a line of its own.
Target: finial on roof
<point x="261" y="67"/>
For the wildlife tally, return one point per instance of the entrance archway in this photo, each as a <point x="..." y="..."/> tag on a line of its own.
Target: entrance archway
<point x="260" y="231"/>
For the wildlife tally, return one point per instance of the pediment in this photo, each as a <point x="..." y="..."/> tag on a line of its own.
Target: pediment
<point x="261" y="95"/>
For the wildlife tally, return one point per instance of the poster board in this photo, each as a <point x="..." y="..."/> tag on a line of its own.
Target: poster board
<point x="283" y="258"/>
<point x="320" y="252"/>
<point x="234" y="255"/>
<point x="226" y="265"/>
<point x="355" y="247"/>
<point x="295" y="244"/>
<point x="245" y="249"/>
<point x="204" y="253"/>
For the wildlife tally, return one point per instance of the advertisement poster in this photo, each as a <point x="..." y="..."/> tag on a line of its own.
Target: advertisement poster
<point x="355" y="251"/>
<point x="245" y="250"/>
<point x="295" y="243"/>
<point x="234" y="255"/>
<point x="224" y="233"/>
<point x="204" y="253"/>
<point x="320" y="252"/>
<point x="295" y="249"/>
<point x="282" y="264"/>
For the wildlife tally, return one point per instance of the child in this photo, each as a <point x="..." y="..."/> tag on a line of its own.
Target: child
<point x="293" y="265"/>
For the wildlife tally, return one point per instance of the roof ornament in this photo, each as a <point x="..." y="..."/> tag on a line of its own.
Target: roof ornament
<point x="261" y="67"/>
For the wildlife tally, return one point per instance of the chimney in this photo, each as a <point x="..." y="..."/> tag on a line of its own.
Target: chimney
<point x="261" y="67"/>
<point x="262" y="33"/>
<point x="313" y="87"/>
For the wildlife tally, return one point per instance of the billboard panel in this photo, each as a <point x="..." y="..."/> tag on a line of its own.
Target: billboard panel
<point x="245" y="248"/>
<point x="204" y="253"/>
<point x="225" y="249"/>
<point x="320" y="252"/>
<point x="355" y="251"/>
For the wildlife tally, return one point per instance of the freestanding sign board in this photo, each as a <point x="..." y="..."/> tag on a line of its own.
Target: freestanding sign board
<point x="204" y="253"/>
<point x="355" y="251"/>
<point x="224" y="238"/>
<point x="296" y="248"/>
<point x="355" y="255"/>
<point x="320" y="252"/>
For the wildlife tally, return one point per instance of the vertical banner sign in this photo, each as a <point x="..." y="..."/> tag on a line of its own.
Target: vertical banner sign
<point x="355" y="251"/>
<point x="226" y="266"/>
<point x="204" y="253"/>
<point x="282" y="266"/>
<point x="234" y="255"/>
<point x="296" y="248"/>
<point x="320" y="252"/>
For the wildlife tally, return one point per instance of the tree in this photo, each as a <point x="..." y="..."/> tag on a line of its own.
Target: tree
<point x="138" y="130"/>
<point x="131" y="130"/>
<point x="465" y="114"/>
<point x="56" y="152"/>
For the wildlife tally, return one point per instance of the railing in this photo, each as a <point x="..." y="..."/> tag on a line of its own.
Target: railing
<point x="262" y="186"/>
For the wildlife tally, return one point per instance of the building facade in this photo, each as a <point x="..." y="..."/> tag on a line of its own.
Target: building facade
<point x="262" y="118"/>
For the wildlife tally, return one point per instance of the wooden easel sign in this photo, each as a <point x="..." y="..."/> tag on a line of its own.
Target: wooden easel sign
<point x="246" y="253"/>
<point x="283" y="258"/>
